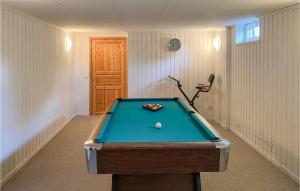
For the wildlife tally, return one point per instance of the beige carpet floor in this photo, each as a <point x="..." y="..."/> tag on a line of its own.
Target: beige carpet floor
<point x="60" y="166"/>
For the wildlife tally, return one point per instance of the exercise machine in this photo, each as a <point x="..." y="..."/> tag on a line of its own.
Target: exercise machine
<point x="200" y="88"/>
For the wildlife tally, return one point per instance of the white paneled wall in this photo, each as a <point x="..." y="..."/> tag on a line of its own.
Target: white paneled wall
<point x="36" y="87"/>
<point x="150" y="62"/>
<point x="221" y="86"/>
<point x="265" y="90"/>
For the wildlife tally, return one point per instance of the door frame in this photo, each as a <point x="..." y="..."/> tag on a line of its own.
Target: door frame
<point x="90" y="67"/>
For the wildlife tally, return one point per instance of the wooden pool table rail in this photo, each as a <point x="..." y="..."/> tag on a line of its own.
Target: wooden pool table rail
<point x="153" y="157"/>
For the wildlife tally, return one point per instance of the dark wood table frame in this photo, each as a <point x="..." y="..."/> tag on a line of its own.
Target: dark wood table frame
<point x="172" y="157"/>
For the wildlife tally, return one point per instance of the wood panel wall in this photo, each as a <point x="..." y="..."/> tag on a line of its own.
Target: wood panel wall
<point x="150" y="62"/>
<point x="146" y="50"/>
<point x="264" y="101"/>
<point x="36" y="87"/>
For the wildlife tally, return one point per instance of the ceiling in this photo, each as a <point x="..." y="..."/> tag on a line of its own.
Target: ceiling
<point x="153" y="15"/>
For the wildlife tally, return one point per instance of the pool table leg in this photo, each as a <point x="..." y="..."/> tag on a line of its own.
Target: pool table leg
<point x="114" y="182"/>
<point x="137" y="182"/>
<point x="197" y="181"/>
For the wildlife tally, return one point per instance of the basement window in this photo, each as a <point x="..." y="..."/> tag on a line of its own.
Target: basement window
<point x="248" y="32"/>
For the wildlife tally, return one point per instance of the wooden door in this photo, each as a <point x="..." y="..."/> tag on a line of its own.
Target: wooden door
<point x="108" y="72"/>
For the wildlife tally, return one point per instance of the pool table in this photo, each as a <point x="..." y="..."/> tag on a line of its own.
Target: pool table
<point x="126" y="141"/>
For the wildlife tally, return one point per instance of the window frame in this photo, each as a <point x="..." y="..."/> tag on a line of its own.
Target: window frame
<point x="241" y="30"/>
<point x="251" y="26"/>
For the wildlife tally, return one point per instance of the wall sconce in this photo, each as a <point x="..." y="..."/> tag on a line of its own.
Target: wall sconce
<point x="68" y="43"/>
<point x="217" y="42"/>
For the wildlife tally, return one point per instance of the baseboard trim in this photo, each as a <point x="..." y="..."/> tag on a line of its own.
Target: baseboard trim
<point x="222" y="125"/>
<point x="282" y="168"/>
<point x="82" y="115"/>
<point x="25" y="161"/>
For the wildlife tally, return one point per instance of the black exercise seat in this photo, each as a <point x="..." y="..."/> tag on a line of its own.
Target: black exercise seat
<point x="206" y="88"/>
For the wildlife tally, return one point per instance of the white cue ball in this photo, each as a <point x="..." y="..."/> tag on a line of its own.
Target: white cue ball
<point x="158" y="125"/>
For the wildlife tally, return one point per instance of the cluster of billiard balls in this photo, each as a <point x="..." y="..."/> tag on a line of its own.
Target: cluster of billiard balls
<point x="153" y="107"/>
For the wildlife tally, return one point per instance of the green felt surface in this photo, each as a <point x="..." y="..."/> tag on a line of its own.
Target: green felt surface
<point x="129" y="122"/>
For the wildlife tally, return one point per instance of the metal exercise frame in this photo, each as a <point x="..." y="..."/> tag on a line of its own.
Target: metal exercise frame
<point x="200" y="87"/>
